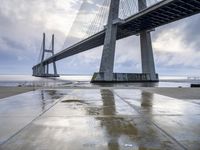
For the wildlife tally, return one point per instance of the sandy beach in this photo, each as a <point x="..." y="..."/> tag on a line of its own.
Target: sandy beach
<point x="11" y="91"/>
<point x="180" y="93"/>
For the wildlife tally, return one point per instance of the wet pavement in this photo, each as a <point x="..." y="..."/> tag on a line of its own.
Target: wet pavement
<point x="98" y="119"/>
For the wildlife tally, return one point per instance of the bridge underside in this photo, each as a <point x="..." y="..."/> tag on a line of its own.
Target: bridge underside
<point x="162" y="13"/>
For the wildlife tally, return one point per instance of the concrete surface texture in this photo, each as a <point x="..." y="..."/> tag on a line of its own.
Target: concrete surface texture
<point x="180" y="93"/>
<point x="98" y="119"/>
<point x="10" y="91"/>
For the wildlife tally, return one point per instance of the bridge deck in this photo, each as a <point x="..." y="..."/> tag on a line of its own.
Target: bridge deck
<point x="162" y="13"/>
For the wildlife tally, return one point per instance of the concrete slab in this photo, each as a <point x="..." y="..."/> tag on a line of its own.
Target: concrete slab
<point x="91" y="102"/>
<point x="28" y="104"/>
<point x="184" y="129"/>
<point x="89" y="133"/>
<point x="154" y="104"/>
<point x="9" y="126"/>
<point x="179" y="93"/>
<point x="88" y="119"/>
<point x="18" y="111"/>
<point x="197" y="101"/>
<point x="11" y="91"/>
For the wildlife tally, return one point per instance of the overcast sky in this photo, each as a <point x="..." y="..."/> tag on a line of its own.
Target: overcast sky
<point x="22" y="22"/>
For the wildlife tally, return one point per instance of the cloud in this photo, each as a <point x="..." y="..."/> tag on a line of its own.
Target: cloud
<point x="170" y="41"/>
<point x="176" y="45"/>
<point x="24" y="21"/>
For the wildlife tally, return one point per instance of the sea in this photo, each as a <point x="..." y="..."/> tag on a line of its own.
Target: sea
<point x="84" y="81"/>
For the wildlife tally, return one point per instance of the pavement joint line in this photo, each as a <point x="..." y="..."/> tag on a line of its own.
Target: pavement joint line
<point x="162" y="130"/>
<point x="134" y="107"/>
<point x="170" y="136"/>
<point x="16" y="133"/>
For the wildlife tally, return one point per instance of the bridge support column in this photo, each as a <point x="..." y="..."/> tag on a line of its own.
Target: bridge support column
<point x="108" y="55"/>
<point x="47" y="69"/>
<point x="107" y="62"/>
<point x="148" y="66"/>
<point x="42" y="69"/>
<point x="54" y="63"/>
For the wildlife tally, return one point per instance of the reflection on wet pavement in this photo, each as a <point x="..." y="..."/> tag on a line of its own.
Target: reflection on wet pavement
<point x="18" y="111"/>
<point x="101" y="119"/>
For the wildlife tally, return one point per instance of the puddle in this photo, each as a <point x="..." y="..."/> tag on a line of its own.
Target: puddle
<point x="73" y="101"/>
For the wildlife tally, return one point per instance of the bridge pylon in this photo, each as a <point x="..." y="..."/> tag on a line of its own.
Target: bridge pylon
<point x="42" y="70"/>
<point x="107" y="60"/>
<point x="105" y="73"/>
<point x="148" y="65"/>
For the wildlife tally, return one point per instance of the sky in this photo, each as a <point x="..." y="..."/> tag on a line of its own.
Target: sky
<point x="22" y="23"/>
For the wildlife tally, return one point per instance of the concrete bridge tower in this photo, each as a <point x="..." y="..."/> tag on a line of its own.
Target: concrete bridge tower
<point x="105" y="73"/>
<point x="43" y="69"/>
<point x="148" y="66"/>
<point x="107" y="60"/>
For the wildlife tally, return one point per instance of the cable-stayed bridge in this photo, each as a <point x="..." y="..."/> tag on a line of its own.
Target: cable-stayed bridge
<point x="123" y="18"/>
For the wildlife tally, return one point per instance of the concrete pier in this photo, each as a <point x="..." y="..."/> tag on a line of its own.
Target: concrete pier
<point x="105" y="73"/>
<point x="43" y="69"/>
<point x="124" y="77"/>
<point x="148" y="66"/>
<point x="107" y="60"/>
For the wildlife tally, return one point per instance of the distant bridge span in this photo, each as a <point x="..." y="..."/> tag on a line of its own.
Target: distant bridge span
<point x="161" y="13"/>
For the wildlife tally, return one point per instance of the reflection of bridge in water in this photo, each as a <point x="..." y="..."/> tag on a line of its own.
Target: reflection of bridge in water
<point x="143" y="22"/>
<point x="136" y="131"/>
<point x="49" y="97"/>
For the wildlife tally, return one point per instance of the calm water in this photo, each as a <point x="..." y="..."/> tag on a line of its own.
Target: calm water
<point x="28" y="80"/>
<point x="84" y="80"/>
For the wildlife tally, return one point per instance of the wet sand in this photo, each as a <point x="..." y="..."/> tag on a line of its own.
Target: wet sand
<point x="11" y="91"/>
<point x="180" y="93"/>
